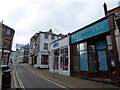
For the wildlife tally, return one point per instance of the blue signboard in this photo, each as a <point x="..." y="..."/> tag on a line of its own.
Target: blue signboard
<point x="55" y="44"/>
<point x="91" y="31"/>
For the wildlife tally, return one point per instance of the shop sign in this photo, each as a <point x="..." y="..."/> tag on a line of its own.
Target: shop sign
<point x="55" y="44"/>
<point x="91" y="31"/>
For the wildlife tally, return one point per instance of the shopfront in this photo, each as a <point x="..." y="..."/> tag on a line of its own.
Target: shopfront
<point x="60" y="56"/>
<point x="92" y="51"/>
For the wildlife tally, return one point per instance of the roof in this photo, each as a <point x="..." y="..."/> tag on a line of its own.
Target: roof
<point x="8" y="27"/>
<point x="61" y="38"/>
<point x="113" y="9"/>
<point x="48" y="32"/>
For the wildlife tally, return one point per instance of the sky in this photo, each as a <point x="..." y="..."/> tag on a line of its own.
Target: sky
<point x="28" y="17"/>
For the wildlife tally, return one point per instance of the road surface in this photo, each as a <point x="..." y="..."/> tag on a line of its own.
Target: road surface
<point x="31" y="80"/>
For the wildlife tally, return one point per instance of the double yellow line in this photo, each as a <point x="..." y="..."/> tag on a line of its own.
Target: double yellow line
<point x="19" y="80"/>
<point x="49" y="80"/>
<point x="22" y="86"/>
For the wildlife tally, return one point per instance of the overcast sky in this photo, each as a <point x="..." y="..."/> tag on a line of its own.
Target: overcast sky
<point x="27" y="17"/>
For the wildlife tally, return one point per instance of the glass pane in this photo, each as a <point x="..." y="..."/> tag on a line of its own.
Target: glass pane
<point x="83" y="61"/>
<point x="83" y="46"/>
<point x="110" y="48"/>
<point x="109" y="41"/>
<point x="101" y="44"/>
<point x="44" y="59"/>
<point x="102" y="60"/>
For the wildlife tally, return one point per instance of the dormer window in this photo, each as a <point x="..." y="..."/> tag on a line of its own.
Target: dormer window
<point x="52" y="37"/>
<point x="46" y="35"/>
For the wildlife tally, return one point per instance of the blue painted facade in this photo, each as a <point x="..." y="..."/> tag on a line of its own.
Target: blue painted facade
<point x="91" y="31"/>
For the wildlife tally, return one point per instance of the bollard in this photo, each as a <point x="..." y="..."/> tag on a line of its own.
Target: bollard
<point x="6" y="79"/>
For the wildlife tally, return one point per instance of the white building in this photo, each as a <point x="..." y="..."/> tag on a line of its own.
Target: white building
<point x="60" y="56"/>
<point x="13" y="57"/>
<point x="39" y="54"/>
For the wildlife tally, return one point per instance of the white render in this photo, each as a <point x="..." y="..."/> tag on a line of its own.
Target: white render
<point x="42" y="51"/>
<point x="117" y="34"/>
<point x="64" y="42"/>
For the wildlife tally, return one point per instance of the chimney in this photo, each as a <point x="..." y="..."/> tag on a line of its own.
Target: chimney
<point x="105" y="9"/>
<point x="50" y="30"/>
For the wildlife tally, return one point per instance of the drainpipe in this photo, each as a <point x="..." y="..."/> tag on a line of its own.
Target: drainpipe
<point x="0" y="55"/>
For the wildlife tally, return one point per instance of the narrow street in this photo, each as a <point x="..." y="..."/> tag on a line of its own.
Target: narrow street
<point x="30" y="80"/>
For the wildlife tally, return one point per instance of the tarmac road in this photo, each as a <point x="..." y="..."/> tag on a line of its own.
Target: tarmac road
<point x="31" y="80"/>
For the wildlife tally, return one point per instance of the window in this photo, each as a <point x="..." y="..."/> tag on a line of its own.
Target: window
<point x="46" y="35"/>
<point x="110" y="50"/>
<point x="46" y="46"/>
<point x="52" y="37"/>
<point x="82" y="49"/>
<point x="44" y="59"/>
<point x="56" y="59"/>
<point x="8" y="32"/>
<point x="64" y="59"/>
<point x="7" y="44"/>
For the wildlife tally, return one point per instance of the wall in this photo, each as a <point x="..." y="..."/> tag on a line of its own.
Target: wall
<point x="0" y="54"/>
<point x="42" y="50"/>
<point x="117" y="34"/>
<point x="61" y="43"/>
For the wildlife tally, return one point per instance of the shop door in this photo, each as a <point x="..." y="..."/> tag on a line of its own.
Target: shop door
<point x="101" y="52"/>
<point x="56" y="60"/>
<point x="92" y="58"/>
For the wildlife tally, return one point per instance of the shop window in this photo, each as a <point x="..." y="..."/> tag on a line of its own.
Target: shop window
<point x="82" y="48"/>
<point x="64" y="59"/>
<point x="110" y="53"/>
<point x="44" y="59"/>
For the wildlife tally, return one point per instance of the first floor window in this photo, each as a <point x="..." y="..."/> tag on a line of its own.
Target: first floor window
<point x="8" y="32"/>
<point x="46" y="46"/>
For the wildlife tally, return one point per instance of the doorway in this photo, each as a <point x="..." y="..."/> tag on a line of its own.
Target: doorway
<point x="101" y="54"/>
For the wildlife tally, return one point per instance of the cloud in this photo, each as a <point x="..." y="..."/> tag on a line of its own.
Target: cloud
<point x="30" y="16"/>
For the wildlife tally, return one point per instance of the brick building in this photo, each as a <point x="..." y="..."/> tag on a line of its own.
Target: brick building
<point x="94" y="49"/>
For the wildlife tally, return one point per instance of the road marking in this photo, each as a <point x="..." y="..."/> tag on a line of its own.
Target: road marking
<point x="14" y="79"/>
<point x="49" y="80"/>
<point x="19" y="80"/>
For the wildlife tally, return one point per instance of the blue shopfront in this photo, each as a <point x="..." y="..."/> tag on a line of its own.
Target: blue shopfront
<point x="92" y="50"/>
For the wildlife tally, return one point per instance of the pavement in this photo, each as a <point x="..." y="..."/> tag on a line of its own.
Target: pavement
<point x="58" y="79"/>
<point x="66" y="81"/>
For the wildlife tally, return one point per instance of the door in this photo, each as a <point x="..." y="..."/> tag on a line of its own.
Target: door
<point x="92" y="58"/>
<point x="102" y="57"/>
<point x="56" y="60"/>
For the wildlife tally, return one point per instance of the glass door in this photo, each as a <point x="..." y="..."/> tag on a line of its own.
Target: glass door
<point x="102" y="57"/>
<point x="56" y="59"/>
<point x="92" y="58"/>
